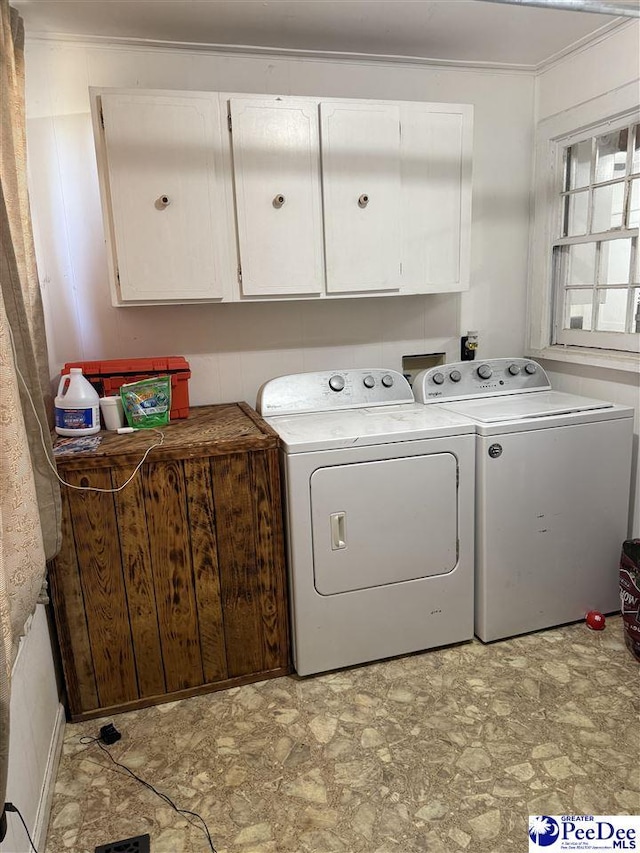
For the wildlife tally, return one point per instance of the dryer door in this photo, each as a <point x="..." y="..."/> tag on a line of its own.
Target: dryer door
<point x="383" y="522"/>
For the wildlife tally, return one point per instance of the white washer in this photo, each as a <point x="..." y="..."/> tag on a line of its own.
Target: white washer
<point x="552" y="493"/>
<point x="379" y="505"/>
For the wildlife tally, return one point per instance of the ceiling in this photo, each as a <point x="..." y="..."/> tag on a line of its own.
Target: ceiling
<point x="448" y="30"/>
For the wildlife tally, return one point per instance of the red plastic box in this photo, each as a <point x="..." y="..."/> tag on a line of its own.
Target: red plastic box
<point x="107" y="377"/>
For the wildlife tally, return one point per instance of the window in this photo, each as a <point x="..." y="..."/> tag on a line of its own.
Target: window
<point x="584" y="280"/>
<point x="596" y="285"/>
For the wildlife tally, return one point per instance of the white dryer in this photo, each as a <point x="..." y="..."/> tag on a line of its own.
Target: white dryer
<point x="379" y="509"/>
<point x="552" y="493"/>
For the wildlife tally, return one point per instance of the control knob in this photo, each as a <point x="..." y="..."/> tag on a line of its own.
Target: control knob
<point x="514" y="369"/>
<point x="484" y="371"/>
<point x="530" y="368"/>
<point x="387" y="380"/>
<point x="455" y="376"/>
<point x="438" y="378"/>
<point x="368" y="381"/>
<point x="336" y="383"/>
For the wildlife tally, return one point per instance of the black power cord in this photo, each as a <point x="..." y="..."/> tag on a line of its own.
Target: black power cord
<point x="108" y="735"/>
<point x="9" y="807"/>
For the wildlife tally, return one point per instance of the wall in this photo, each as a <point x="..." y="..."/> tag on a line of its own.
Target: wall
<point x="234" y="348"/>
<point x="594" y="71"/>
<point x="36" y="726"/>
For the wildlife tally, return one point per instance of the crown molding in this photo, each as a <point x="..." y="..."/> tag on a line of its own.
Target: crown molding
<point x="118" y="43"/>
<point x="579" y="46"/>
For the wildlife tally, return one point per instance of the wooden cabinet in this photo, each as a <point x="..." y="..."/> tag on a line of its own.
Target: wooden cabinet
<point x="175" y="585"/>
<point x="165" y="194"/>
<point x="283" y="197"/>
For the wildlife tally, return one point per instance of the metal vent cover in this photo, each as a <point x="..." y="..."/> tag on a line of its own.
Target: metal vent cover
<point x="136" y="844"/>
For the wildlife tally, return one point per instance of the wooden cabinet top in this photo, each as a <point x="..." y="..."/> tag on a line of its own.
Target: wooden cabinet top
<point x="208" y="431"/>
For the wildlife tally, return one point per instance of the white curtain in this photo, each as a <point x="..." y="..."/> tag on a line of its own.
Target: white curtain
<point x="29" y="494"/>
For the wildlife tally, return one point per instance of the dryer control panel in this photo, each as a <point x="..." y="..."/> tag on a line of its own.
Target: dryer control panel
<point x="493" y="377"/>
<point x="331" y="390"/>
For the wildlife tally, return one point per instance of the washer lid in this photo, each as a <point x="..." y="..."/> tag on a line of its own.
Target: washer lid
<point x="542" y="404"/>
<point x="362" y="427"/>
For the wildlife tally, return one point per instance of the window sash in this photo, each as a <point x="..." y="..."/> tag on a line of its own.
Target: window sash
<point x="593" y="338"/>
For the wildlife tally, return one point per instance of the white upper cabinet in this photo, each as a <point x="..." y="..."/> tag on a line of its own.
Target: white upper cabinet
<point x="276" y="169"/>
<point x="435" y="162"/>
<point x="164" y="195"/>
<point x="360" y="143"/>
<point x="213" y="196"/>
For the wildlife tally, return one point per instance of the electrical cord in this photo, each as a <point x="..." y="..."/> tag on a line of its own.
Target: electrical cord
<point x="45" y="445"/>
<point x="11" y="808"/>
<point x="204" y="828"/>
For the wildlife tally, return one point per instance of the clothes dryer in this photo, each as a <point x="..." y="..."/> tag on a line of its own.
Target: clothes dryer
<point x="552" y="493"/>
<point x="379" y="510"/>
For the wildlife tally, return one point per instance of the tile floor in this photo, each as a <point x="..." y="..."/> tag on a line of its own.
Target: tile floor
<point x="444" y="751"/>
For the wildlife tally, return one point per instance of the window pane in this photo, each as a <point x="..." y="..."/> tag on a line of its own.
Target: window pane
<point x="635" y="162"/>
<point x="608" y="204"/>
<point x="612" y="310"/>
<point x="582" y="264"/>
<point x="578" y="309"/>
<point x="635" y="319"/>
<point x="611" y="155"/>
<point x="578" y="165"/>
<point x="576" y="214"/>
<point x="615" y="257"/>
<point x="634" y="204"/>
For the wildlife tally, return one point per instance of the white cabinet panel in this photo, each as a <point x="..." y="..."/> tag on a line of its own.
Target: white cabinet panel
<point x="435" y="160"/>
<point x="276" y="170"/>
<point x="360" y="145"/>
<point x="164" y="195"/>
<point x="300" y="198"/>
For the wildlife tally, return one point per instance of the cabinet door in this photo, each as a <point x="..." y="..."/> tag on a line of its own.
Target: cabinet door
<point x="163" y="193"/>
<point x="278" y="202"/>
<point x="436" y="196"/>
<point x="361" y="187"/>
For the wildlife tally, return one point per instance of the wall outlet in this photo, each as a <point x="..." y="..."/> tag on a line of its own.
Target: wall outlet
<point x="468" y="346"/>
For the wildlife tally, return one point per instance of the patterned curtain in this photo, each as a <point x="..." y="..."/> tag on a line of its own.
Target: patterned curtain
<point x="29" y="496"/>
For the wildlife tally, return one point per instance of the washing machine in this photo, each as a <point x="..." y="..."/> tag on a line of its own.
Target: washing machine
<point x="552" y="493"/>
<point x="379" y="512"/>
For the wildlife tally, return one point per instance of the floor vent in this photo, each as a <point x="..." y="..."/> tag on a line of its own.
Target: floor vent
<point x="137" y="844"/>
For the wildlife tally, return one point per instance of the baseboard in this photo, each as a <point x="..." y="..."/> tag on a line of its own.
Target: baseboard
<point x="48" y="785"/>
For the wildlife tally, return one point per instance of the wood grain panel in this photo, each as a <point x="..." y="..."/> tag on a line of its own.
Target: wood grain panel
<point x="98" y="554"/>
<point x="71" y="622"/>
<point x="239" y="582"/>
<point x="200" y="690"/>
<point x="208" y="431"/>
<point x="176" y="585"/>
<point x="165" y="494"/>
<point x="138" y="578"/>
<point x="204" y="556"/>
<point x="267" y="521"/>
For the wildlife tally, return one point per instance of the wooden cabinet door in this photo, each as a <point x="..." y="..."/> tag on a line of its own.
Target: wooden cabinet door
<point x="436" y="151"/>
<point x="361" y="187"/>
<point x="164" y="195"/>
<point x="277" y="191"/>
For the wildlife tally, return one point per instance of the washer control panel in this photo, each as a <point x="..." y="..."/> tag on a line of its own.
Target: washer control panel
<point x="336" y="389"/>
<point x="493" y="377"/>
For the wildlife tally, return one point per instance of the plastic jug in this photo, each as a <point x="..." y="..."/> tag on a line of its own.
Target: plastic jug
<point x="77" y="405"/>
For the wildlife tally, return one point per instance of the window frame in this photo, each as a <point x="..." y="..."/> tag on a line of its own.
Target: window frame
<point x="603" y="114"/>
